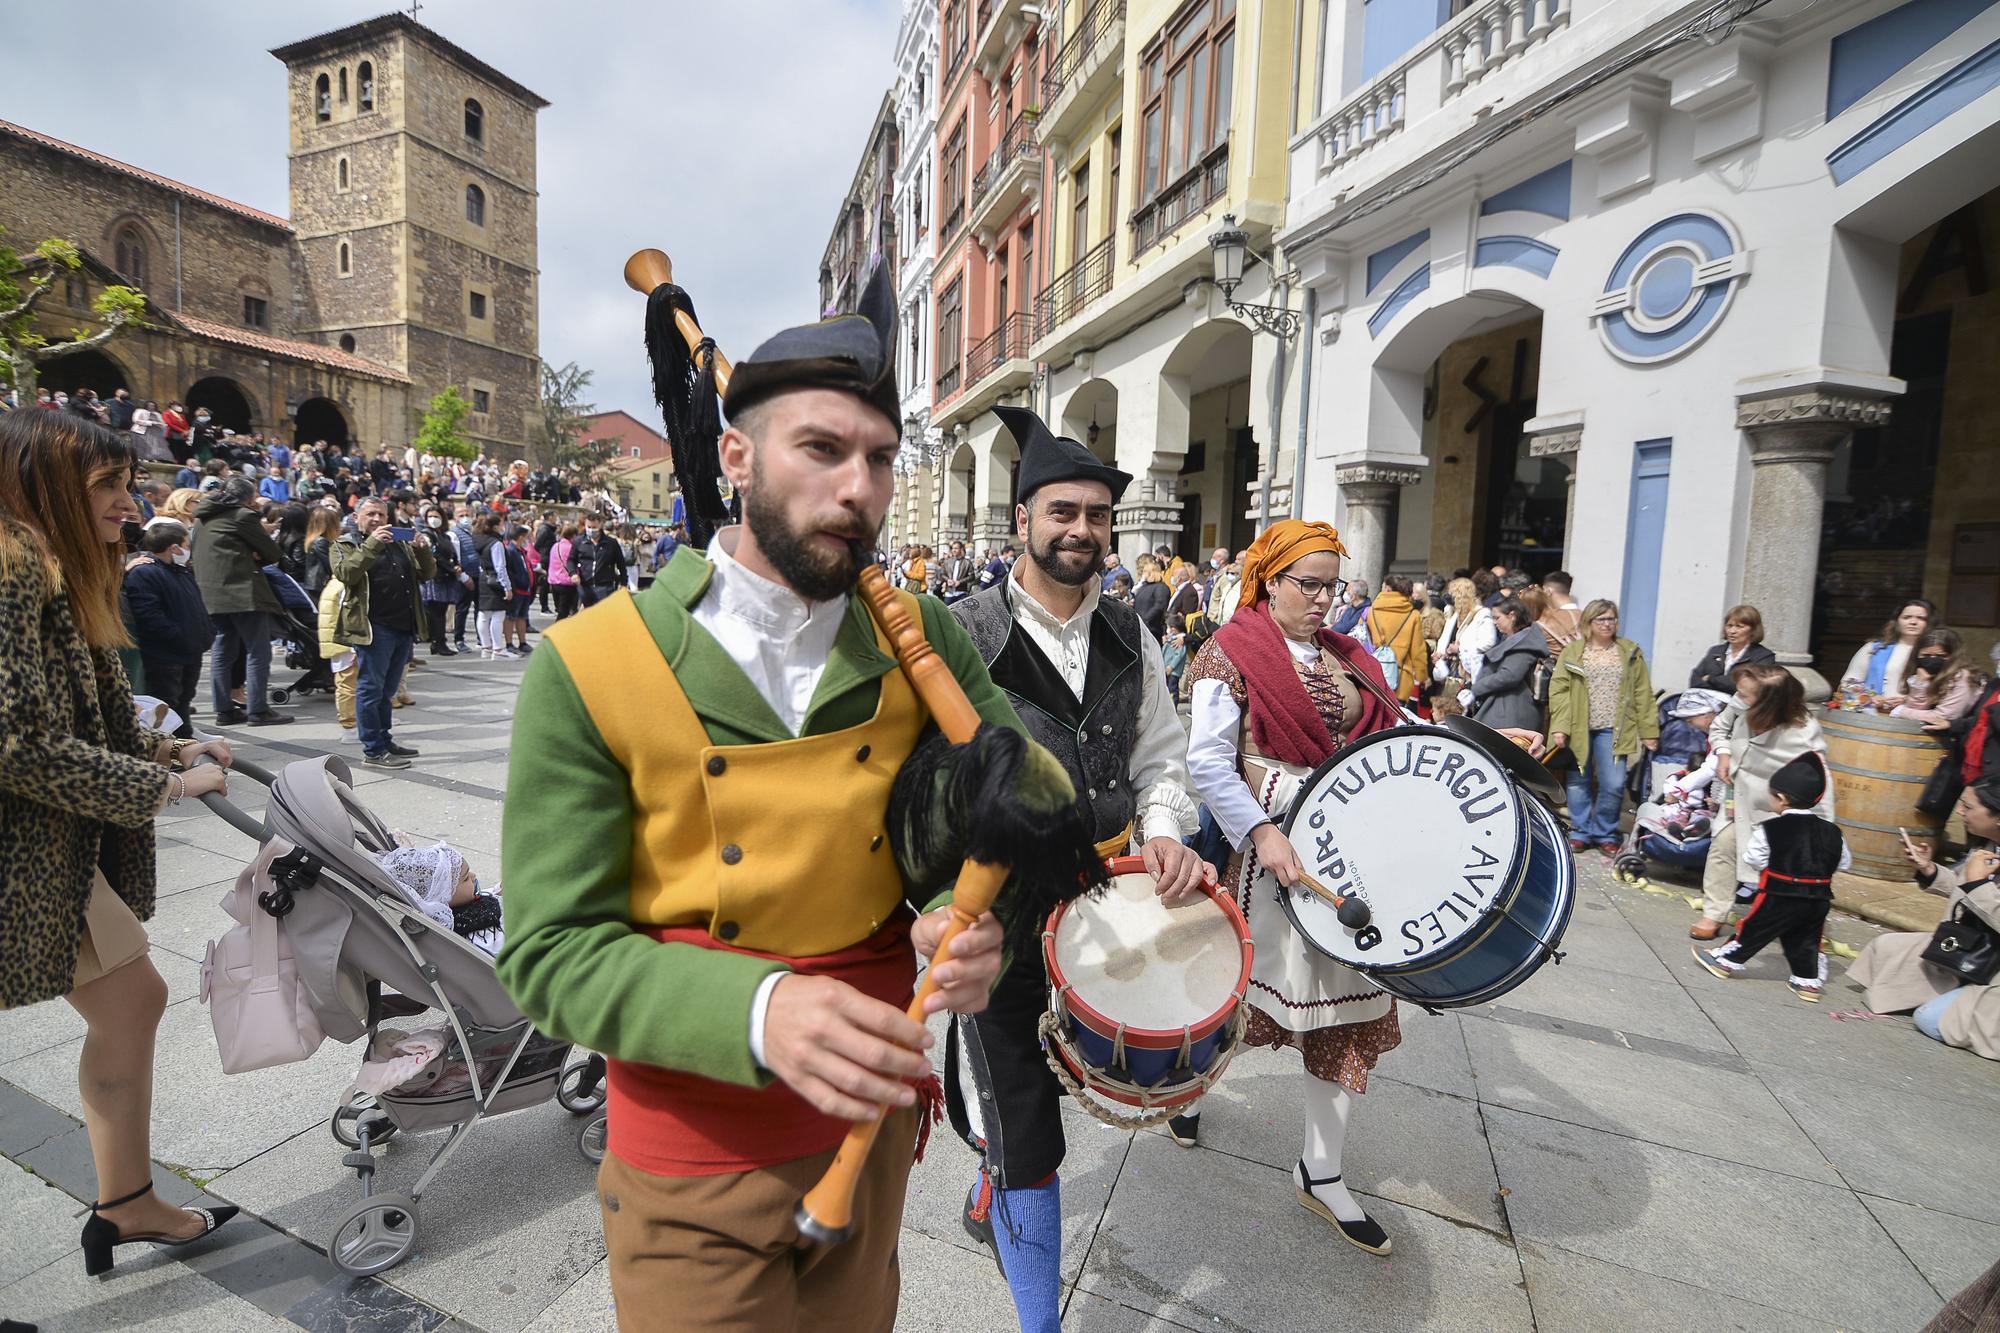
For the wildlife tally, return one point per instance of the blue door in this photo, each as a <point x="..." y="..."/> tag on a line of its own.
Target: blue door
<point x="1645" y="535"/>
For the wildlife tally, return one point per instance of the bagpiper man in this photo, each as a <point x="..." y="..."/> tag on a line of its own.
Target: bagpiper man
<point x="708" y="881"/>
<point x="1089" y="683"/>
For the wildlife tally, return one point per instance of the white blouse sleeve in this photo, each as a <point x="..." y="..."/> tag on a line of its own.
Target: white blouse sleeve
<point x="1212" y="762"/>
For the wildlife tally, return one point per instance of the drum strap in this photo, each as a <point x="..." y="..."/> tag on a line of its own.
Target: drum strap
<point x="1115" y="846"/>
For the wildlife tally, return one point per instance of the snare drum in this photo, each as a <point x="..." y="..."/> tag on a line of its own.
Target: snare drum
<point x="1468" y="881"/>
<point x="1146" y="1001"/>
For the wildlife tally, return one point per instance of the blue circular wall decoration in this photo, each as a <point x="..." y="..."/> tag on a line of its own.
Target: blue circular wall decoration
<point x="1670" y="288"/>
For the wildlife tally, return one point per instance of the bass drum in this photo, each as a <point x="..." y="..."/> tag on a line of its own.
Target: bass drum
<point x="1468" y="880"/>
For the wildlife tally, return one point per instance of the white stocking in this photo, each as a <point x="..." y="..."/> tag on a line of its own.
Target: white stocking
<point x="1327" y="1106"/>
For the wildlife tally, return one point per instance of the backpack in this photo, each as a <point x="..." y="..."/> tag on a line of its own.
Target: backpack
<point x="1385" y="655"/>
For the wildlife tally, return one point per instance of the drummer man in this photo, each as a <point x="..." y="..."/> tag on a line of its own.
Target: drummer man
<point x="698" y="884"/>
<point x="1088" y="682"/>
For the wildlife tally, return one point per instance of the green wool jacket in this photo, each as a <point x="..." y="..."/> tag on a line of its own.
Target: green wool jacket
<point x="231" y="549"/>
<point x="352" y="557"/>
<point x="573" y="960"/>
<point x="1569" y="701"/>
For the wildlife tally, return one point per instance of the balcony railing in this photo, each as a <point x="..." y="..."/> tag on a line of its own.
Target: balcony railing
<point x="1484" y="39"/>
<point x="1207" y="182"/>
<point x="1074" y="288"/>
<point x="1015" y="144"/>
<point x="1007" y="343"/>
<point x="1090" y="30"/>
<point x="947" y="381"/>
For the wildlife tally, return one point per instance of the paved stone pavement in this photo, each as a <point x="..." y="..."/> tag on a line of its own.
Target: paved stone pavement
<point x="1623" y="1143"/>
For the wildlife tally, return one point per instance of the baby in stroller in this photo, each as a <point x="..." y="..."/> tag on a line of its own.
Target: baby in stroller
<point x="441" y="882"/>
<point x="1675" y="828"/>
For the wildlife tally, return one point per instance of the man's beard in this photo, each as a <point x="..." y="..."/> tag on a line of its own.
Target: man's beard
<point x="813" y="571"/>
<point x="1047" y="556"/>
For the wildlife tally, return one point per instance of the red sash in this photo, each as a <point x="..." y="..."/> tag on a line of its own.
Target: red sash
<point x="678" y="1124"/>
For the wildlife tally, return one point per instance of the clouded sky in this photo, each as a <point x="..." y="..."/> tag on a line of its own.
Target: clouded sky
<point x="723" y="133"/>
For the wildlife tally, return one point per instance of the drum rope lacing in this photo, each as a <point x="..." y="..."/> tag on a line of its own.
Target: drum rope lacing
<point x="1053" y="1037"/>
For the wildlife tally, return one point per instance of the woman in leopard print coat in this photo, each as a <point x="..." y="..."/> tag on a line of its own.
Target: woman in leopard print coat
<point x="80" y="782"/>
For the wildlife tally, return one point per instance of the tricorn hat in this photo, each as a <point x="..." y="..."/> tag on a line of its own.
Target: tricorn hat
<point x="854" y="352"/>
<point x="1047" y="457"/>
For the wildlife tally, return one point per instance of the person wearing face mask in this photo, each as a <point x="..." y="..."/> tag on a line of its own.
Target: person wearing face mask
<point x="446" y="588"/>
<point x="204" y="435"/>
<point x="168" y="620"/>
<point x="597" y="562"/>
<point x="1945" y="685"/>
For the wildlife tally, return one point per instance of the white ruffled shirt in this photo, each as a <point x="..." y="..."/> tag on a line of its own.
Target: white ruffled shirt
<point x="1157" y="769"/>
<point x="782" y="642"/>
<point x="1211" y="757"/>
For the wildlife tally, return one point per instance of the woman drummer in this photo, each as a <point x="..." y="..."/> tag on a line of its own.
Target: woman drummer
<point x="1275" y="694"/>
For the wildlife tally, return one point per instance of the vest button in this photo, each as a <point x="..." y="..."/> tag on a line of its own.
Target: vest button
<point x="728" y="930"/>
<point x="716" y="764"/>
<point x="875" y="843"/>
<point x="1093" y="793"/>
<point x="731" y="854"/>
<point x="861" y="755"/>
<point x="1113" y="784"/>
<point x="1106" y="728"/>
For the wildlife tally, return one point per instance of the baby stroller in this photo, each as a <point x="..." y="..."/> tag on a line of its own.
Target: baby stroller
<point x="298" y="626"/>
<point x="365" y="954"/>
<point x="1656" y="833"/>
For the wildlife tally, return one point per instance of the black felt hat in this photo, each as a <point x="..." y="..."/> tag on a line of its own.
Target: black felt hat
<point x="1047" y="457"/>
<point x="1802" y="781"/>
<point x="856" y="353"/>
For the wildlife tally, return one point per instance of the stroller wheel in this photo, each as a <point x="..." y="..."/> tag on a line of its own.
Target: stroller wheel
<point x="347" y="1114"/>
<point x="592" y="1138"/>
<point x="279" y="696"/>
<point x="1630" y="865"/>
<point x="581" y="1089"/>
<point x="377" y="1233"/>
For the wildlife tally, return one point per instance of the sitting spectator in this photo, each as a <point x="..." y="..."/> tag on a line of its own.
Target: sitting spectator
<point x="275" y="487"/>
<point x="1893" y="968"/>
<point x="1945" y="685"/>
<point x="1742" y="641"/>
<point x="1504" y="693"/>
<point x="1880" y="665"/>
<point x="170" y="624"/>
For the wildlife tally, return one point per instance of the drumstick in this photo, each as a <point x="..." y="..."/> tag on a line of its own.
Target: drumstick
<point x="1353" y="913"/>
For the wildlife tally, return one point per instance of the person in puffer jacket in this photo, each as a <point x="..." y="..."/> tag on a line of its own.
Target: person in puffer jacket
<point x="338" y="652"/>
<point x="168" y="620"/>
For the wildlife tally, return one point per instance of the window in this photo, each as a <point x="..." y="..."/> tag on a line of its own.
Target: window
<point x="1111" y="204"/>
<point x="347" y="342"/>
<point x="1187" y="83"/>
<point x="1079" y="218"/>
<point x="323" y="99"/>
<point x="475" y="121"/>
<point x="130" y="255"/>
<point x="951" y="180"/>
<point x="344" y="261"/>
<point x="635" y="451"/>
<point x="475" y="304"/>
<point x="364" y="79"/>
<point x="482" y="401"/>
<point x="475" y="205"/>
<point x="1002" y="270"/>
<point x="1027" y="248"/>
<point x="255" y="312"/>
<point x="343" y="85"/>
<point x="340" y="178"/>
<point x="951" y="308"/>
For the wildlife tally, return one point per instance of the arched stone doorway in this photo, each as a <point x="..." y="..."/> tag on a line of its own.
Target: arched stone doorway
<point x="321" y="419"/>
<point x="1209" y="371"/>
<point x="225" y="400"/>
<point x="1091" y="415"/>
<point x="959" y="475"/>
<point x="89" y="369"/>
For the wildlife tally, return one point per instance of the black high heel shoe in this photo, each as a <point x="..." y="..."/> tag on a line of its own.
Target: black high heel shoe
<point x="99" y="1235"/>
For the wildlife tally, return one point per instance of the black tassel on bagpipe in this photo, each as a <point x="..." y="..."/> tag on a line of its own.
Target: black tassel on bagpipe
<point x="684" y="385"/>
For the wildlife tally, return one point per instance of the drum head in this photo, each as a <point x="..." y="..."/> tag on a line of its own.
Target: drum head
<point x="1426" y="828"/>
<point x="1532" y="773"/>
<point x="1134" y="961"/>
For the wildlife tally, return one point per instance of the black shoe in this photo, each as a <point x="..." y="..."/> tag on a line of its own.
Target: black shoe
<point x="406" y="751"/>
<point x="99" y="1236"/>
<point x="978" y="1218"/>
<point x="439" y="650"/>
<point x="1366" y="1234"/>
<point x="15" y="1326"/>
<point x="269" y="719"/>
<point x="1185" y="1129"/>
<point x="384" y="760"/>
<point x="235" y="717"/>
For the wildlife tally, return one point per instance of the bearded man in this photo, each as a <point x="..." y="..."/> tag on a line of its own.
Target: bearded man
<point x="1089" y="684"/>
<point x="707" y="879"/>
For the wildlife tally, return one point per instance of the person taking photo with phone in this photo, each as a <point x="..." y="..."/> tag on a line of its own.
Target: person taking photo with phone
<point x="383" y="616"/>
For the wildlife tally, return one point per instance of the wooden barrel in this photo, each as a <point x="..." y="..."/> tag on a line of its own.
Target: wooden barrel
<point x="1879" y="766"/>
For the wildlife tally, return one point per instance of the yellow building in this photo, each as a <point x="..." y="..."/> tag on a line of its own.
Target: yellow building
<point x="1158" y="118"/>
<point x="644" y="488"/>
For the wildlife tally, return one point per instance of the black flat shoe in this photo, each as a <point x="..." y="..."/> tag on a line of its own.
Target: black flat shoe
<point x="1185" y="1129"/>
<point x="99" y="1236"/>
<point x="978" y="1219"/>
<point x="1365" y="1234"/>
<point x="235" y="717"/>
<point x="406" y="751"/>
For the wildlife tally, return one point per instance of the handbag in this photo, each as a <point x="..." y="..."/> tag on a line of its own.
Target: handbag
<point x="1966" y="947"/>
<point x="261" y="1012"/>
<point x="1942" y="788"/>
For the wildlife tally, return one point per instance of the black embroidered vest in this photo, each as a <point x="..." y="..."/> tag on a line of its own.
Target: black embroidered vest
<point x="1093" y="736"/>
<point x="1805" y="852"/>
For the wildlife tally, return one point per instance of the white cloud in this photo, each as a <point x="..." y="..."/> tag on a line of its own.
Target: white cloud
<point x="723" y="134"/>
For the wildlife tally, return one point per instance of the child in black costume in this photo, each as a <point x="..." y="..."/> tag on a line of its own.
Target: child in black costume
<point x="1796" y="854"/>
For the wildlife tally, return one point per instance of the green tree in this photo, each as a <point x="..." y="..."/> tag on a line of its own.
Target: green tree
<point x="439" y="434"/>
<point x="23" y="284"/>
<point x="559" y="435"/>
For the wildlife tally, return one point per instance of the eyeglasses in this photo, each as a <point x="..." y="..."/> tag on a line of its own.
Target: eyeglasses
<point x="1312" y="588"/>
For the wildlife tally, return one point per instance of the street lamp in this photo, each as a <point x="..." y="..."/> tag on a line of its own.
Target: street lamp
<point x="1229" y="246"/>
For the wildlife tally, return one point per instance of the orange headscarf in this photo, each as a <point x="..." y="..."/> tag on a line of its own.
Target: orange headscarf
<point x="1279" y="547"/>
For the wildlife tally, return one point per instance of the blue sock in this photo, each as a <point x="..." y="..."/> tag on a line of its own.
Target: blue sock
<point x="1027" y="1227"/>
